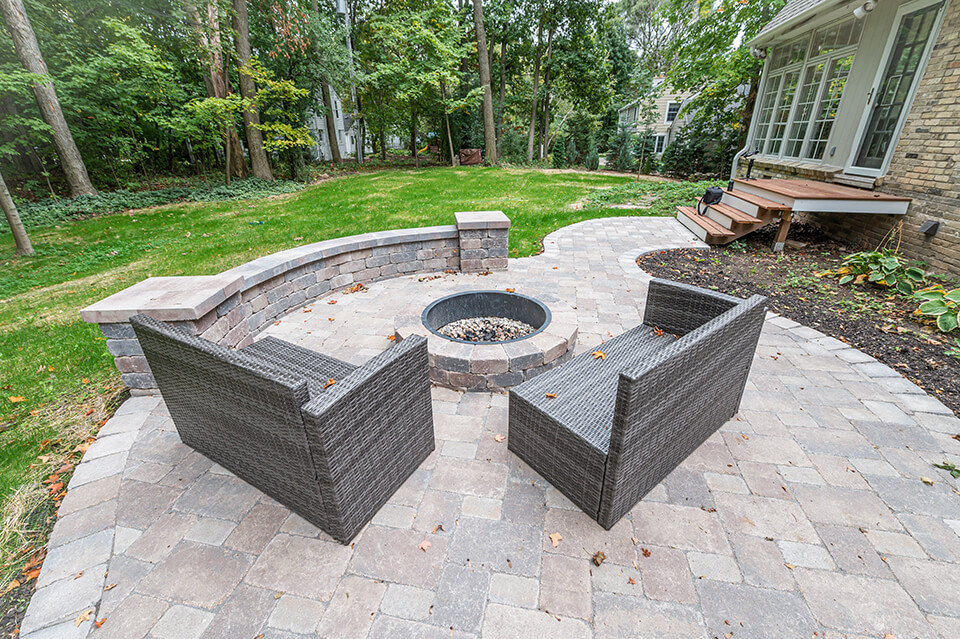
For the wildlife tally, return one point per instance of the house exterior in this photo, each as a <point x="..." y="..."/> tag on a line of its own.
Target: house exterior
<point x="347" y="135"/>
<point x="667" y="123"/>
<point x="867" y="95"/>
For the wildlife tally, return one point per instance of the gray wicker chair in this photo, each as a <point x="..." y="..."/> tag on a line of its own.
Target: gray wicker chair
<point x="619" y="425"/>
<point x="333" y="453"/>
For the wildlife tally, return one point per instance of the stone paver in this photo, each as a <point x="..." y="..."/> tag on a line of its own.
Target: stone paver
<point x="804" y="517"/>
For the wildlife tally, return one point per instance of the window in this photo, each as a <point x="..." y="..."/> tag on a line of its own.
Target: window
<point x="673" y="108"/>
<point x="804" y="84"/>
<point x="658" y="143"/>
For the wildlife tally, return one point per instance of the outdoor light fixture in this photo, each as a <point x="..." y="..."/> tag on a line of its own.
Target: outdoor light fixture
<point x="930" y="227"/>
<point x="861" y="12"/>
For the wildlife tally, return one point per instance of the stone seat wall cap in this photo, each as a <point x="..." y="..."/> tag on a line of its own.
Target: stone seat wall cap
<point x="164" y="298"/>
<point x="476" y="220"/>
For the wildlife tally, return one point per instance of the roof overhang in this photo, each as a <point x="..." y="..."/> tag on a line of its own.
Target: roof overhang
<point x="814" y="15"/>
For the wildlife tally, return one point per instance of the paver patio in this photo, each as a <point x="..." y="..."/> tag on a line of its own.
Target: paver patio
<point x="805" y="516"/>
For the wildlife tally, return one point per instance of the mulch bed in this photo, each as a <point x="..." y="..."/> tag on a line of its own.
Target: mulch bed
<point x="866" y="317"/>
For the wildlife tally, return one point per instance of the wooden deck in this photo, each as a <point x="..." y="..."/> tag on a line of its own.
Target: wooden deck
<point x="824" y="197"/>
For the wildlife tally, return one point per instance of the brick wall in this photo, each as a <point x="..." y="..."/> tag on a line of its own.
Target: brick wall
<point x="924" y="166"/>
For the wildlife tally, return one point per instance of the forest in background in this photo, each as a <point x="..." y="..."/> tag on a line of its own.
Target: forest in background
<point x="150" y="90"/>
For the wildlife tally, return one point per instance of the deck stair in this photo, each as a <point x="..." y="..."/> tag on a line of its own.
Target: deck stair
<point x="753" y="204"/>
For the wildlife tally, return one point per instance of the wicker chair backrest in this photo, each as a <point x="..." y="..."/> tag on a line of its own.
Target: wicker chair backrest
<point x="242" y="413"/>
<point x="678" y="308"/>
<point x="674" y="401"/>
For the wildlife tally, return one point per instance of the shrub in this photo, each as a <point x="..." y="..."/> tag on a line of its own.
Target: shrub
<point x="940" y="305"/>
<point x="559" y="159"/>
<point x="571" y="155"/>
<point x="883" y="267"/>
<point x="513" y="146"/>
<point x="41" y="213"/>
<point x="593" y="159"/>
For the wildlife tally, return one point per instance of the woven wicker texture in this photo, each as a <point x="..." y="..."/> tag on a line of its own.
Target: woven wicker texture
<point x="620" y="424"/>
<point x="246" y="411"/>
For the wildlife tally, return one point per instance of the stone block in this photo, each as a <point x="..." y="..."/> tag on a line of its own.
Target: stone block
<point x="118" y="331"/>
<point x="124" y="347"/>
<point x="139" y="380"/>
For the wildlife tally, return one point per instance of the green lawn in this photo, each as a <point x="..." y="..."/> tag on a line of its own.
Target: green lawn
<point x="55" y="361"/>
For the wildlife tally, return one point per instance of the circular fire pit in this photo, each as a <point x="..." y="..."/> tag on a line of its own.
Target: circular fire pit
<point x="473" y="340"/>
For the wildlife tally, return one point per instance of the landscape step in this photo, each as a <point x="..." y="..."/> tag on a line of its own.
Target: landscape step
<point x="703" y="227"/>
<point x="758" y="201"/>
<point x="733" y="214"/>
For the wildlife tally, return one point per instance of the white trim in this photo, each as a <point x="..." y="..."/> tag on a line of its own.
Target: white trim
<point x="659" y="139"/>
<point x="666" y="116"/>
<point x="800" y="205"/>
<point x="905" y="8"/>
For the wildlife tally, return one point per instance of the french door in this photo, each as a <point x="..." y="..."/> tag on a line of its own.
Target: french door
<point x="889" y="101"/>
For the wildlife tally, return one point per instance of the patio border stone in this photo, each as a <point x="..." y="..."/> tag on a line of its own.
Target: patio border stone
<point x="232" y="307"/>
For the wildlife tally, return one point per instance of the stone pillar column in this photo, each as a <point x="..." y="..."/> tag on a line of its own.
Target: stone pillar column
<point x="484" y="237"/>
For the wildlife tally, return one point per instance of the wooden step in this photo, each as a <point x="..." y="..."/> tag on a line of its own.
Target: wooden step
<point x="703" y="227"/>
<point x="756" y="200"/>
<point x="726" y="215"/>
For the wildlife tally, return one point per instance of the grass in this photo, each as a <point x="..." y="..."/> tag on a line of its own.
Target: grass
<point x="53" y="360"/>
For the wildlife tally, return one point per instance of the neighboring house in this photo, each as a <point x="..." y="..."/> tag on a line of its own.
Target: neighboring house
<point x="667" y="122"/>
<point x="346" y="131"/>
<point x="867" y="95"/>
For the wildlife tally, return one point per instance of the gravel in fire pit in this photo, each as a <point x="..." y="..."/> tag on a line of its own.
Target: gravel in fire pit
<point x="486" y="329"/>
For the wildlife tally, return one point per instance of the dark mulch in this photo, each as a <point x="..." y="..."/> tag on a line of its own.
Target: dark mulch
<point x="866" y="317"/>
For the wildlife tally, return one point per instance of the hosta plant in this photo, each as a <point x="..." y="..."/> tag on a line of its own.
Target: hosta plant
<point x="940" y="305"/>
<point x="883" y="267"/>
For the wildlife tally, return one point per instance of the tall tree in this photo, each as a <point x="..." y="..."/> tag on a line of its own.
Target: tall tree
<point x="28" y="50"/>
<point x="20" y="237"/>
<point x="489" y="128"/>
<point x="248" y="90"/>
<point x="532" y="132"/>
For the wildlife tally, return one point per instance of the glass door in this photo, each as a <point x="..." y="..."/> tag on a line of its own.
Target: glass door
<point x="893" y="92"/>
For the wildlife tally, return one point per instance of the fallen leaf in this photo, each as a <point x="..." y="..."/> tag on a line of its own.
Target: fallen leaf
<point x="10" y="586"/>
<point x="436" y="528"/>
<point x="551" y="395"/>
<point x="83" y="616"/>
<point x="632" y="581"/>
<point x="645" y="552"/>
<point x="34" y="412"/>
<point x="330" y="382"/>
<point x="330" y="319"/>
<point x="728" y="635"/>
<point x="100" y="623"/>
<point x="957" y="437"/>
<point x="599" y="355"/>
<point x="510" y="290"/>
<point x="789" y="565"/>
<point x="888" y="636"/>
<point x="84" y="381"/>
<point x="392" y="338"/>
<point x="17" y="399"/>
<point x="109" y="587"/>
<point x="498" y="437"/>
<point x="927" y="481"/>
<point x="556" y="538"/>
<point x="598" y="557"/>
<point x="424" y="545"/>
<point x="308" y="310"/>
<point x="277" y="595"/>
<point x="78" y="575"/>
<point x="332" y="302"/>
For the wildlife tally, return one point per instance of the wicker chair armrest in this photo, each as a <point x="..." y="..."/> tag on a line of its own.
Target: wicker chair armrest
<point x="369" y="431"/>
<point x="678" y="308"/>
<point x="315" y="367"/>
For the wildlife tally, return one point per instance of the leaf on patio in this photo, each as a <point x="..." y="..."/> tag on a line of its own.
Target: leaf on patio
<point x="598" y="557"/>
<point x="498" y="437"/>
<point x="645" y="552"/>
<point x="330" y="382"/>
<point x="392" y="338"/>
<point x="510" y="290"/>
<point x="556" y="538"/>
<point x="436" y="528"/>
<point x="927" y="481"/>
<point x="632" y="581"/>
<point x="331" y="301"/>
<point x="789" y="565"/>
<point x="424" y="545"/>
<point x="109" y="587"/>
<point x="83" y="616"/>
<point x="551" y="395"/>
<point x="599" y="355"/>
<point x="78" y="575"/>
<point x="330" y="319"/>
<point x="100" y="623"/>
<point x="308" y="310"/>
<point x="957" y="437"/>
<point x="277" y="595"/>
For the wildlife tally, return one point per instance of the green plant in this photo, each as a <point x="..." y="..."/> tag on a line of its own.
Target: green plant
<point x="559" y="157"/>
<point x="593" y="159"/>
<point x="954" y="351"/>
<point x="738" y="246"/>
<point x="883" y="267"/>
<point x="940" y="304"/>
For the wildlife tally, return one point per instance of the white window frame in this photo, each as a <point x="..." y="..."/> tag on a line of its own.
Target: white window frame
<point x="908" y="7"/>
<point x="666" y="117"/>
<point x="659" y="143"/>
<point x="800" y="67"/>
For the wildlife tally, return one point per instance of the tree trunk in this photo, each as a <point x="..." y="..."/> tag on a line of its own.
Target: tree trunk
<point x="25" y="43"/>
<point x="25" y="160"/>
<point x="546" y="100"/>
<point x="503" y="95"/>
<point x="531" y="136"/>
<point x="215" y="79"/>
<point x="413" y="133"/>
<point x="446" y="117"/>
<point x="383" y="145"/>
<point x="248" y="89"/>
<point x="20" y="237"/>
<point x="489" y="131"/>
<point x="331" y="123"/>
